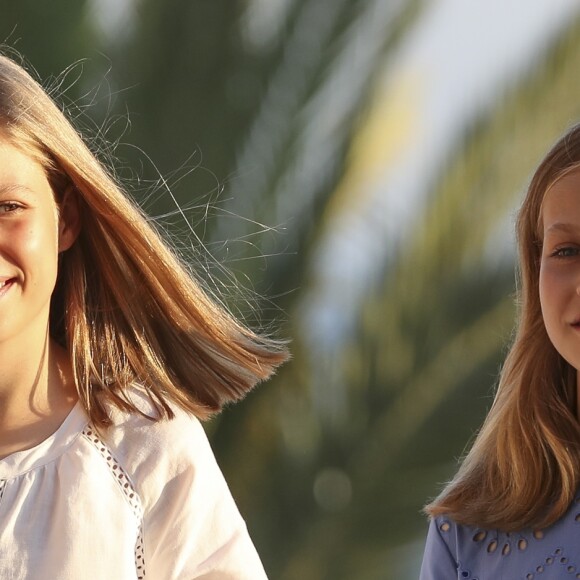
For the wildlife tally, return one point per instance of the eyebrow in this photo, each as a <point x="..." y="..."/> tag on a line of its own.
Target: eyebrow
<point x="15" y="188"/>
<point x="563" y="227"/>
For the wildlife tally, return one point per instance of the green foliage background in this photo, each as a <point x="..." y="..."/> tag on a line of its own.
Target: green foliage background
<point x="207" y="117"/>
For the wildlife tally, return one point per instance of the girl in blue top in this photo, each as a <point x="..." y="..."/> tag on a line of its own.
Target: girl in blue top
<point x="513" y="509"/>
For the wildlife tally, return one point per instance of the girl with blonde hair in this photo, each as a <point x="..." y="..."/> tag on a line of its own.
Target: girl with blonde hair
<point x="110" y="354"/>
<point x="513" y="509"/>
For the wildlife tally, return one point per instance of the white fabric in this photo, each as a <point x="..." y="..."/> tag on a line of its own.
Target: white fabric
<point x="69" y="511"/>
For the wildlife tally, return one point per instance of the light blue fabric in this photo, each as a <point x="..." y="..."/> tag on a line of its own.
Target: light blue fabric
<point x="468" y="553"/>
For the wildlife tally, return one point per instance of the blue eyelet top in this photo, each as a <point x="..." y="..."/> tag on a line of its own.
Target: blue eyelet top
<point x="471" y="553"/>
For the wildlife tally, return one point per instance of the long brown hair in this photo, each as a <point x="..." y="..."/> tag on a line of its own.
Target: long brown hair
<point x="125" y="306"/>
<point x="524" y="467"/>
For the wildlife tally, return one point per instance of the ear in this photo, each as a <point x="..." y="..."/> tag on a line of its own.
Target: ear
<point x="69" y="222"/>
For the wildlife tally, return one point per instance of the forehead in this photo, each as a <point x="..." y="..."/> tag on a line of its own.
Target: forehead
<point x="17" y="168"/>
<point x="561" y="203"/>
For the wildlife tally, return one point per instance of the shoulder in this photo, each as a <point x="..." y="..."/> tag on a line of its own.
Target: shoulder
<point x="192" y="527"/>
<point x="459" y="542"/>
<point x="154" y="452"/>
<point x="455" y="550"/>
<point x="152" y="432"/>
<point x="442" y="539"/>
<point x="451" y="548"/>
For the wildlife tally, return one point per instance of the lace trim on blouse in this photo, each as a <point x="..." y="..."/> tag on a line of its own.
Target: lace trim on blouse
<point x="127" y="488"/>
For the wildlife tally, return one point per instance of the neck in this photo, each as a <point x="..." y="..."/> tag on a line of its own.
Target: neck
<point x="36" y="392"/>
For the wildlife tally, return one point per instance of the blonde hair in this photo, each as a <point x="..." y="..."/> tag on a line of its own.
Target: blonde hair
<point x="524" y="467"/>
<point x="124" y="306"/>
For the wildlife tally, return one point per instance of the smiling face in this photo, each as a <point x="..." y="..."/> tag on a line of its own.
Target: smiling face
<point x="560" y="266"/>
<point x="31" y="236"/>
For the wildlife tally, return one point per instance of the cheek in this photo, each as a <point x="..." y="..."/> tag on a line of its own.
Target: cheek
<point x="554" y="280"/>
<point x="551" y="289"/>
<point x="559" y="299"/>
<point x="36" y="236"/>
<point x="40" y="243"/>
<point x="544" y="283"/>
<point x="33" y="247"/>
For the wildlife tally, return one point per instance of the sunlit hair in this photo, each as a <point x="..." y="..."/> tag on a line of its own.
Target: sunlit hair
<point x="125" y="307"/>
<point x="524" y="467"/>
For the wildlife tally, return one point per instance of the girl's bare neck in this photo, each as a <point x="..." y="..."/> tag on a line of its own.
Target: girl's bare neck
<point x="36" y="395"/>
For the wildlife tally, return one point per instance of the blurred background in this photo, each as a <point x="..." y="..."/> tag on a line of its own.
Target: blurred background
<point x="351" y="169"/>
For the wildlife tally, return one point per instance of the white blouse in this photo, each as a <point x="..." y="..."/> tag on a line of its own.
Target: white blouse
<point x="143" y="500"/>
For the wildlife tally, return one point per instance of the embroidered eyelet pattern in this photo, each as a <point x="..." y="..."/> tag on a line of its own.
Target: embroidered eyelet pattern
<point x="495" y="544"/>
<point x="502" y="545"/>
<point x="126" y="487"/>
<point x="559" y="559"/>
<point x="508" y="544"/>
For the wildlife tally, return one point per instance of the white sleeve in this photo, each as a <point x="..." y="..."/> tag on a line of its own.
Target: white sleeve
<point x="192" y="527"/>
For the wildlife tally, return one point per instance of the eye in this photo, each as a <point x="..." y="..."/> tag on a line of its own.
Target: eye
<point x="566" y="252"/>
<point x="9" y="206"/>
